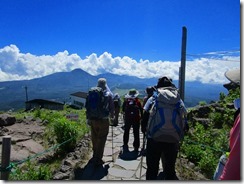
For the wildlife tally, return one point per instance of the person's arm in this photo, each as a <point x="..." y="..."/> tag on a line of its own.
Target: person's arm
<point x="111" y="106"/>
<point x="231" y="170"/>
<point x="139" y="106"/>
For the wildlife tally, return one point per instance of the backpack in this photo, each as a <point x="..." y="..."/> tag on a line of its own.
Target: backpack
<point x="96" y="104"/>
<point x="132" y="109"/>
<point x="166" y="121"/>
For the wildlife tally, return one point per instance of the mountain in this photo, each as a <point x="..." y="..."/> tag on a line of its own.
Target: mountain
<point x="59" y="86"/>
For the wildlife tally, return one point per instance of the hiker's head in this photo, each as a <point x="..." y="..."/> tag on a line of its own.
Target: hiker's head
<point x="116" y="96"/>
<point x="164" y="82"/>
<point x="149" y="90"/>
<point x="133" y="93"/>
<point x="102" y="83"/>
<point x="233" y="76"/>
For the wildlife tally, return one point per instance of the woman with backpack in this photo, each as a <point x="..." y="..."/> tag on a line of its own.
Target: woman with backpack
<point x="133" y="112"/>
<point x="165" y="129"/>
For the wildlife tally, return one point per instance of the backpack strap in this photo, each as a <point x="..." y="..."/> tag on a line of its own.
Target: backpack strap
<point x="162" y="117"/>
<point x="162" y="122"/>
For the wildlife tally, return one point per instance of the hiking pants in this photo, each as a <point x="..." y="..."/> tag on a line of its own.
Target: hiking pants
<point x="136" y="128"/>
<point x="153" y="155"/>
<point x="99" y="132"/>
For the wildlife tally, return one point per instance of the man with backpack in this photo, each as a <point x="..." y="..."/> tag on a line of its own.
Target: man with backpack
<point x="166" y="128"/>
<point x="133" y="112"/>
<point x="99" y="109"/>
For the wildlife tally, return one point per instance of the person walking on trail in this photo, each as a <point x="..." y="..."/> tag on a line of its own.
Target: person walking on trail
<point x="133" y="112"/>
<point x="149" y="91"/>
<point x="117" y="106"/>
<point x="231" y="170"/>
<point x="166" y="128"/>
<point x="99" y="109"/>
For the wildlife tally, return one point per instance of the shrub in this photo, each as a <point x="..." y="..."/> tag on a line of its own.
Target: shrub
<point x="67" y="133"/>
<point x="207" y="163"/>
<point x="30" y="171"/>
<point x="202" y="103"/>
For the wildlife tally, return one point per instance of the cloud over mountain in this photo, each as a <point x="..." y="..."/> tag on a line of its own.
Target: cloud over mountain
<point x="209" y="68"/>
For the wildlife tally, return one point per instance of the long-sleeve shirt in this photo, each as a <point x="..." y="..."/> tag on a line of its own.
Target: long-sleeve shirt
<point x="231" y="170"/>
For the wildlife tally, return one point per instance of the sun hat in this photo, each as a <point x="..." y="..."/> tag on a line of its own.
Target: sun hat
<point x="116" y="96"/>
<point x="133" y="93"/>
<point x="233" y="75"/>
<point x="102" y="83"/>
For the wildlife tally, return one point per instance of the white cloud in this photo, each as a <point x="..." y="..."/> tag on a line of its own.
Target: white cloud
<point x="15" y="65"/>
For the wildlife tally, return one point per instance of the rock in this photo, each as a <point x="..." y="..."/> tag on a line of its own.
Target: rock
<point x="7" y="120"/>
<point x="32" y="146"/>
<point x="61" y="176"/>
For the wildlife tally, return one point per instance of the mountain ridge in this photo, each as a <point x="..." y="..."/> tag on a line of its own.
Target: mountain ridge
<point x="58" y="86"/>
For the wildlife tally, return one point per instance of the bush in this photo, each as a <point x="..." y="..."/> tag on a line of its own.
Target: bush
<point x="204" y="145"/>
<point x="30" y="171"/>
<point x="67" y="133"/>
<point x="207" y="163"/>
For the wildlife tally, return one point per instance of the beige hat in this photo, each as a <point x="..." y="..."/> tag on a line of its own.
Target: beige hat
<point x="233" y="75"/>
<point x="133" y="93"/>
<point x="102" y="83"/>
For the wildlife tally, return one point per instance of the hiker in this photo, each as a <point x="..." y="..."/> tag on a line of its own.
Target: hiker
<point x="98" y="117"/>
<point x="231" y="170"/>
<point x="117" y="105"/>
<point x="163" y="141"/>
<point x="133" y="112"/>
<point x="149" y="91"/>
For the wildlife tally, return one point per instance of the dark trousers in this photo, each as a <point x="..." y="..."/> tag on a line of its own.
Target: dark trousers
<point x="153" y="155"/>
<point x="136" y="128"/>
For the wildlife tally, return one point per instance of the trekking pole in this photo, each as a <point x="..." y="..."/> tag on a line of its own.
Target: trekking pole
<point x="143" y="148"/>
<point x="180" y="158"/>
<point x="112" y="143"/>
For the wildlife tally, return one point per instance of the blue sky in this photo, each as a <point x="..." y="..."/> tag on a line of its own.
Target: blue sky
<point x="40" y="37"/>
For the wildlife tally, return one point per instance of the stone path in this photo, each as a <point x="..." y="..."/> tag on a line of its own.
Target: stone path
<point x="117" y="166"/>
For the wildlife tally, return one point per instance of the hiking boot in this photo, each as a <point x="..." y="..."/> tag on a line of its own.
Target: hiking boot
<point x="99" y="162"/>
<point x="125" y="148"/>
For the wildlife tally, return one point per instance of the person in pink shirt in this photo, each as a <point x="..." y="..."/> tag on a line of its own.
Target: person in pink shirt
<point x="231" y="170"/>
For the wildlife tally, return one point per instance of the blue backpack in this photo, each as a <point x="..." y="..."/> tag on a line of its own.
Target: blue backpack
<point x="167" y="116"/>
<point x="97" y="106"/>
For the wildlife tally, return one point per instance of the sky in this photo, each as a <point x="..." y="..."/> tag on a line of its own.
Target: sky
<point x="140" y="38"/>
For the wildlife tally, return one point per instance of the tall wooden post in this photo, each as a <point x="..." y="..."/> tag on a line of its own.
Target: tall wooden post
<point x="183" y="64"/>
<point x="5" y="162"/>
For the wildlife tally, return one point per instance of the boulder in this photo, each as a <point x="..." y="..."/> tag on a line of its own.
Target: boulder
<point x="7" y="120"/>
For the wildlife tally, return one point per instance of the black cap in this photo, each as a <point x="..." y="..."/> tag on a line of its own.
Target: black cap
<point x="164" y="82"/>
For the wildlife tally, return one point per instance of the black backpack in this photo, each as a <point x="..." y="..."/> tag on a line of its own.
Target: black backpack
<point x="96" y="104"/>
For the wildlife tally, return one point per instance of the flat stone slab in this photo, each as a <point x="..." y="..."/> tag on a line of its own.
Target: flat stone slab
<point x="19" y="155"/>
<point x="120" y="173"/>
<point x="32" y="146"/>
<point x="127" y="165"/>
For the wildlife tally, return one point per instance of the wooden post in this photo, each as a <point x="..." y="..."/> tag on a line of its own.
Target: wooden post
<point x="183" y="64"/>
<point x="6" y="149"/>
